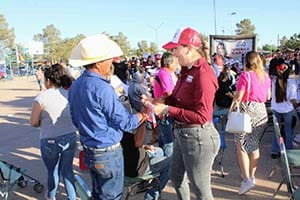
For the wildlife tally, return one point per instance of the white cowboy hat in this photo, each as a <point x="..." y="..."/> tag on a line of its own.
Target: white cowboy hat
<point x="94" y="49"/>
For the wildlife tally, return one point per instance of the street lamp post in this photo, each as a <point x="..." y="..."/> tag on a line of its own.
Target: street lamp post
<point x="215" y="16"/>
<point x="156" y="31"/>
<point x="232" y="14"/>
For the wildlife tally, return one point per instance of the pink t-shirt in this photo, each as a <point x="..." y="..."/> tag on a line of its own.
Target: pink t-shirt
<point x="167" y="83"/>
<point x="258" y="90"/>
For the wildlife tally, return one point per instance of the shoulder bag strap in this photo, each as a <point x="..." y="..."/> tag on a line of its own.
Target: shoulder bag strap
<point x="249" y="84"/>
<point x="237" y="105"/>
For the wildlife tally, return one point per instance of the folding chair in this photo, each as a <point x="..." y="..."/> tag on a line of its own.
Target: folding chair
<point x="139" y="184"/>
<point x="286" y="169"/>
<point x="292" y="153"/>
<point x="134" y="186"/>
<point x="289" y="158"/>
<point x="296" y="195"/>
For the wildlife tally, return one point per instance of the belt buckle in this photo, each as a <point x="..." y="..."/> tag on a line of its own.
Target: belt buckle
<point x="94" y="149"/>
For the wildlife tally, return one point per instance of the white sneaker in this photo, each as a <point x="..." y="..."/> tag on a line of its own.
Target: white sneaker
<point x="246" y="185"/>
<point x="252" y="179"/>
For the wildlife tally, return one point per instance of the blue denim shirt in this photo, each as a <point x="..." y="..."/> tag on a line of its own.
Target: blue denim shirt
<point x="96" y="111"/>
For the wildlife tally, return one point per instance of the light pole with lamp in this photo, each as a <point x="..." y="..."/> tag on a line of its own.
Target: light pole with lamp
<point x="215" y="16"/>
<point x="156" y="31"/>
<point x="232" y="14"/>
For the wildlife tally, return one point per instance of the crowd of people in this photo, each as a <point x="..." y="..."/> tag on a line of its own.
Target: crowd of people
<point x="176" y="93"/>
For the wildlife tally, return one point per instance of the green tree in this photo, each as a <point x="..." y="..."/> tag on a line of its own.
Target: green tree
<point x="142" y="48"/>
<point x="269" y="47"/>
<point x="153" y="48"/>
<point x="245" y="28"/>
<point x="123" y="42"/>
<point x="7" y="35"/>
<point x="284" y="41"/>
<point x="291" y="43"/>
<point x="65" y="46"/>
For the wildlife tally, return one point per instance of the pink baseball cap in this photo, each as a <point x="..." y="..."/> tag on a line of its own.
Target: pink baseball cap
<point x="186" y="36"/>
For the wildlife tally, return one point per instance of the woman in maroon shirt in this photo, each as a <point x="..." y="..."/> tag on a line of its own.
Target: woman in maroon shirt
<point x="191" y="105"/>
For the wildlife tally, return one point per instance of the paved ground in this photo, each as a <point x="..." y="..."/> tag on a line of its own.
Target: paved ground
<point x="19" y="145"/>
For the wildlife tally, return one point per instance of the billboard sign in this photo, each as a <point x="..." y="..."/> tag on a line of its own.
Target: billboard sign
<point x="232" y="47"/>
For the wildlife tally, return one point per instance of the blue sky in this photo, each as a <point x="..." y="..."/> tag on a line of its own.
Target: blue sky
<point x="143" y="20"/>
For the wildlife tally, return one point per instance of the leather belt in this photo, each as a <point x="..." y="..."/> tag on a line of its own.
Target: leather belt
<point x="182" y="125"/>
<point x="110" y="148"/>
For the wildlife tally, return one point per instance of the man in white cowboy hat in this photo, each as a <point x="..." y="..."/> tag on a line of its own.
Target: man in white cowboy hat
<point x="99" y="116"/>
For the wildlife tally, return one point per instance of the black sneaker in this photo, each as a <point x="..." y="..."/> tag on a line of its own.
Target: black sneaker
<point x="275" y="155"/>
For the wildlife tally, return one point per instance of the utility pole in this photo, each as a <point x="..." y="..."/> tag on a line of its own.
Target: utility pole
<point x="233" y="13"/>
<point x="215" y="16"/>
<point x="156" y="32"/>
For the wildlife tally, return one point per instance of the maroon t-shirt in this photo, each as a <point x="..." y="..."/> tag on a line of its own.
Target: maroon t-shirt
<point x="192" y="99"/>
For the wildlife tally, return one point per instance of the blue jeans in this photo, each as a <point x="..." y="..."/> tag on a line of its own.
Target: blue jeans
<point x="107" y="172"/>
<point x="158" y="164"/>
<point x="166" y="136"/>
<point x="287" y="118"/>
<point x="194" y="152"/>
<point x="57" y="154"/>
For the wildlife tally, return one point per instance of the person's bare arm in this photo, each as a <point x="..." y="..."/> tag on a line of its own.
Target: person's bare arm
<point x="237" y="98"/>
<point x="269" y="94"/>
<point x="35" y="114"/>
<point x="229" y="94"/>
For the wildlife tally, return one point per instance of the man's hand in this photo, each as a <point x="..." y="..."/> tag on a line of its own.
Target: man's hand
<point x="150" y="148"/>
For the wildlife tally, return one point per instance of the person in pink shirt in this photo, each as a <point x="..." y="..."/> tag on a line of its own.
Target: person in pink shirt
<point x="164" y="81"/>
<point x="163" y="86"/>
<point x="252" y="101"/>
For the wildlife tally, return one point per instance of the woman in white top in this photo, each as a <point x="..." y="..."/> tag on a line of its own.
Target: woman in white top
<point x="50" y="112"/>
<point x="284" y="95"/>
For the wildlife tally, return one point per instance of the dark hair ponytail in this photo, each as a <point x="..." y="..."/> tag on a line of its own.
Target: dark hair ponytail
<point x="58" y="76"/>
<point x="66" y="81"/>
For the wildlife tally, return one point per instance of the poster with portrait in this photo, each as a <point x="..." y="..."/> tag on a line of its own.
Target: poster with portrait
<point x="232" y="47"/>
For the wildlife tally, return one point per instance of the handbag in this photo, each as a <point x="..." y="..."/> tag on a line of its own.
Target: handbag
<point x="239" y="122"/>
